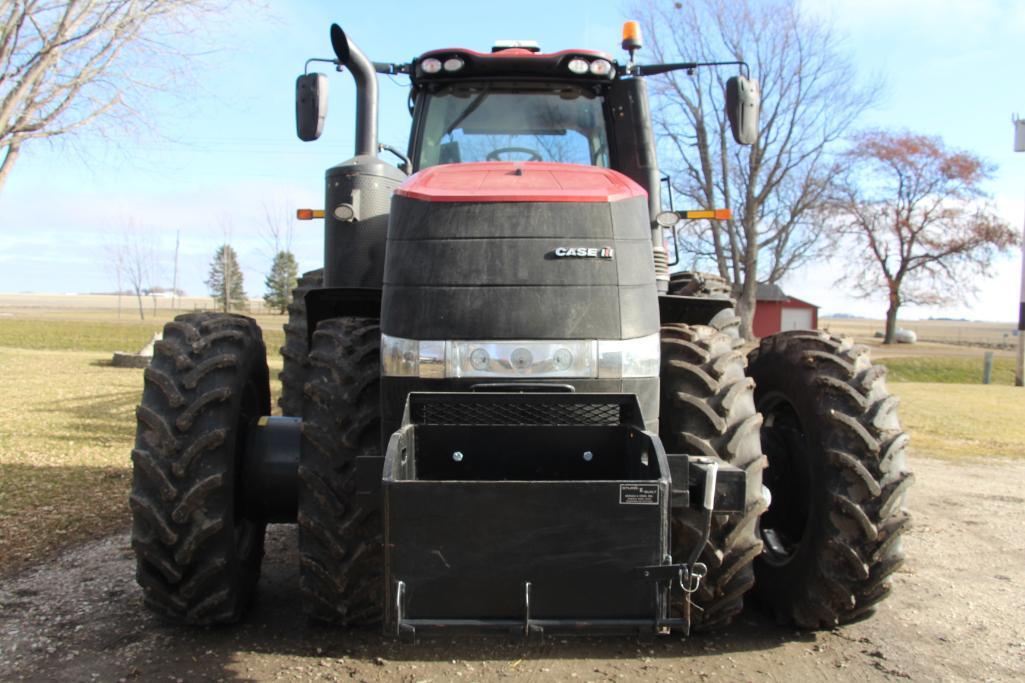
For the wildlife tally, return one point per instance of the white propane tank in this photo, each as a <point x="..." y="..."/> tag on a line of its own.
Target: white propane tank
<point x="905" y="336"/>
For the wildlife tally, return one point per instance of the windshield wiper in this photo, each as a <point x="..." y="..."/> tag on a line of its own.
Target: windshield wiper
<point x="470" y="108"/>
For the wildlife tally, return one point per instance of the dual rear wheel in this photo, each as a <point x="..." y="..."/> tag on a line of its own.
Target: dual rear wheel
<point x="822" y="553"/>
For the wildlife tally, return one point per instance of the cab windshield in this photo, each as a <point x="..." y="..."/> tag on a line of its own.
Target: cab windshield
<point x="481" y="123"/>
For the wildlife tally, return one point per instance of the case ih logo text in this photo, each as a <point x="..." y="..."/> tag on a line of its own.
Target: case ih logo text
<point x="583" y="252"/>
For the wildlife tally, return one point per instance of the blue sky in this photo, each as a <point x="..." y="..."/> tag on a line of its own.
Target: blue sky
<point x="220" y="156"/>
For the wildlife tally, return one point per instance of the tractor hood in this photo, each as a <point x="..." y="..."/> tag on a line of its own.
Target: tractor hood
<point x="519" y="250"/>
<point x="524" y="181"/>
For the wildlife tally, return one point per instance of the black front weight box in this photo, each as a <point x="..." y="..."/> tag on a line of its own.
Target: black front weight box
<point x="527" y="513"/>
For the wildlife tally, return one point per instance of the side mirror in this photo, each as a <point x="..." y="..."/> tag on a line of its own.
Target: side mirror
<point x="310" y="106"/>
<point x="743" y="102"/>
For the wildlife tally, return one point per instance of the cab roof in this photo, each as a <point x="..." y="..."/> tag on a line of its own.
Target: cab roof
<point x="510" y="63"/>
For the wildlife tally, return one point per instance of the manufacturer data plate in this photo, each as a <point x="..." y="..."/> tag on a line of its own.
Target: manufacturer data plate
<point x="638" y="494"/>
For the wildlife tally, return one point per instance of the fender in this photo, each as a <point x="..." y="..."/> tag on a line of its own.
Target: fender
<point x="690" y="310"/>
<point x="338" y="302"/>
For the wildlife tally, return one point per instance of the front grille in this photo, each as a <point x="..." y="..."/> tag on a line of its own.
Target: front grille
<point x="505" y="412"/>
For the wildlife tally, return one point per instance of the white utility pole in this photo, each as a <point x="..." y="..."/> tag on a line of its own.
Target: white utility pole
<point x="1019" y="373"/>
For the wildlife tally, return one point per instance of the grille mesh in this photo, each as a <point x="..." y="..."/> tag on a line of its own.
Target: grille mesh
<point x="517" y="413"/>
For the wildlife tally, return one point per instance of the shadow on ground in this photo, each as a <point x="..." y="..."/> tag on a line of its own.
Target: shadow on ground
<point x="94" y="610"/>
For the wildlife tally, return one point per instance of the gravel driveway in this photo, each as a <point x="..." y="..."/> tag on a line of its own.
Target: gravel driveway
<point x="958" y="613"/>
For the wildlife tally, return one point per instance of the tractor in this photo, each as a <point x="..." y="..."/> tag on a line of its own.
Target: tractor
<point x="501" y="410"/>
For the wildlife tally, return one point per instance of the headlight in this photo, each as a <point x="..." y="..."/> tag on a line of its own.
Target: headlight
<point x="576" y="358"/>
<point x="453" y="64"/>
<point x="640" y="357"/>
<point x="578" y="66"/>
<point x="601" y="67"/>
<point x="431" y="65"/>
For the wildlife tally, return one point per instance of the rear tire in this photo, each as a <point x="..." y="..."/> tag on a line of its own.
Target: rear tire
<point x="198" y="554"/>
<point x="703" y="285"/>
<point x="296" y="348"/>
<point x="838" y="478"/>
<point x="707" y="409"/>
<point x="341" y="572"/>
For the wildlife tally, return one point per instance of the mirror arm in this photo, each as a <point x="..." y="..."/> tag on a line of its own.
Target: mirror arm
<point x="392" y="69"/>
<point x="655" y="69"/>
<point x="407" y="165"/>
<point x="306" y="67"/>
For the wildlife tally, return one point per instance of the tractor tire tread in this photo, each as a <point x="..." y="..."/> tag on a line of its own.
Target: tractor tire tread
<point x="295" y="349"/>
<point x="189" y="563"/>
<point x="339" y="540"/>
<point x="707" y="409"/>
<point x="853" y="429"/>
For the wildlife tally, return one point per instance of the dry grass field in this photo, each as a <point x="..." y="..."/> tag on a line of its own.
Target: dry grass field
<point x="67" y="425"/>
<point x="67" y="419"/>
<point x="956" y="332"/>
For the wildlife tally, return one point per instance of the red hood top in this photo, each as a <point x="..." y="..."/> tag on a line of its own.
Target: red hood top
<point x="519" y="181"/>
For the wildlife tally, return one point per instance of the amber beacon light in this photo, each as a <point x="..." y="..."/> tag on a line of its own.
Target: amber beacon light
<point x="632" y="36"/>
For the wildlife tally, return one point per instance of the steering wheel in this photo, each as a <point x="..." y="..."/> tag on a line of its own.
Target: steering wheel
<point x="495" y="153"/>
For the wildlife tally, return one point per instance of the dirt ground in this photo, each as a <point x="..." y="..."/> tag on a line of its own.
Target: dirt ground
<point x="957" y="613"/>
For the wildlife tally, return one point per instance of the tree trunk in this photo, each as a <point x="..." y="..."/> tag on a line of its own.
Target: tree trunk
<point x="891" y="319"/>
<point x="746" y="302"/>
<point x="142" y="314"/>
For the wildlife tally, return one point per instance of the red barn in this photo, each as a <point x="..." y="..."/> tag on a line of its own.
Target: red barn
<point x="775" y="312"/>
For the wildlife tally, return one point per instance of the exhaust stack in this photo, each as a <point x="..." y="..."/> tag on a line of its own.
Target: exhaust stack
<point x="362" y="69"/>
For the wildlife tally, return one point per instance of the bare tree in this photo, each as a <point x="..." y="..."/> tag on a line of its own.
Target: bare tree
<point x="918" y="219"/>
<point x="278" y="227"/>
<point x="67" y="65"/>
<point x="133" y="261"/>
<point x="773" y="187"/>
<point x="115" y="257"/>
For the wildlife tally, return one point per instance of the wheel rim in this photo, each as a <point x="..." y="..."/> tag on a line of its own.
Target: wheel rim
<point x="784" y="526"/>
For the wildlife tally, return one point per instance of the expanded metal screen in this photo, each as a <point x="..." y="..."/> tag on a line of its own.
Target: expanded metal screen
<point x="487" y="412"/>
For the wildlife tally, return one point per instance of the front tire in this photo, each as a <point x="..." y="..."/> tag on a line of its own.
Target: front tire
<point x="296" y="349"/>
<point x="707" y="409"/>
<point x="838" y="477"/>
<point x="341" y="557"/>
<point x="197" y="552"/>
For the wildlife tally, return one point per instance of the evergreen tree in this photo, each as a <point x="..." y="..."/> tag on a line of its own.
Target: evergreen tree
<point x="284" y="272"/>
<point x="225" y="280"/>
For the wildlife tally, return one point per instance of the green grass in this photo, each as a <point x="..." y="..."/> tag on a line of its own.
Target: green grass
<point x="105" y="336"/>
<point x="962" y="421"/>
<point x="948" y="370"/>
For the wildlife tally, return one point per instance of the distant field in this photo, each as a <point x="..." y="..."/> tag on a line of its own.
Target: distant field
<point x="92" y="323"/>
<point x="941" y="331"/>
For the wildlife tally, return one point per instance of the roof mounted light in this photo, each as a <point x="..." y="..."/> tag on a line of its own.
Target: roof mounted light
<point x="431" y="65"/>
<point x="601" y="67"/>
<point x="530" y="45"/>
<point x="578" y="66"/>
<point x="632" y="36"/>
<point x="453" y="64"/>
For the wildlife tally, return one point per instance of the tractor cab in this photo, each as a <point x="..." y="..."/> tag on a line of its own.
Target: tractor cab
<point x="514" y="104"/>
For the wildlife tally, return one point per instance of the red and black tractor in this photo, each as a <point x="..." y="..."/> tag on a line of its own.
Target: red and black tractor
<point x="501" y="411"/>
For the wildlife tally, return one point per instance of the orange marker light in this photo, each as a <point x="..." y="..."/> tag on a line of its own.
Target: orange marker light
<point x="632" y="36"/>
<point x="309" y="214"/>
<point x="716" y="214"/>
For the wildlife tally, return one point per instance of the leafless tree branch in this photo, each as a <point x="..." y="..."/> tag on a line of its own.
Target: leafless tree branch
<point x="776" y="187"/>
